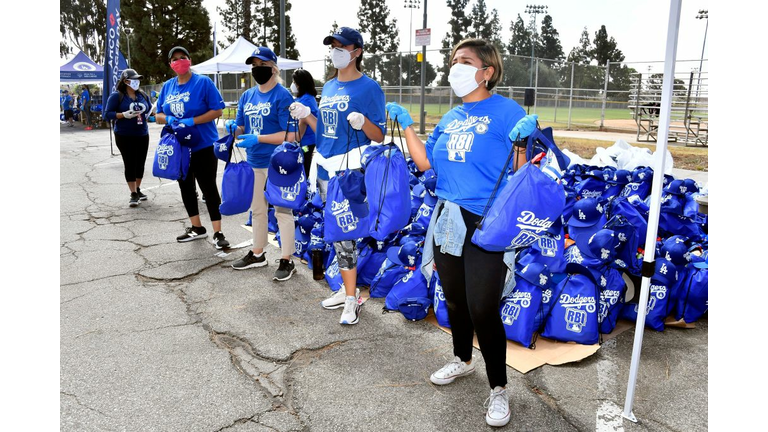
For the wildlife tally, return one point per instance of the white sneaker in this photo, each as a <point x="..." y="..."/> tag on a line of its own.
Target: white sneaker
<point x="351" y="314"/>
<point x="336" y="300"/>
<point x="451" y="371"/>
<point x="498" y="407"/>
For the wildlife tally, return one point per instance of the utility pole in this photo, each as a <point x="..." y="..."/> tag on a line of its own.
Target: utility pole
<point x="422" y="116"/>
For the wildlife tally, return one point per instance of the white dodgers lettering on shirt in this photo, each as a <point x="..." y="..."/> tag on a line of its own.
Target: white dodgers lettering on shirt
<point x="461" y="139"/>
<point x="256" y="114"/>
<point x="329" y="107"/>
<point x="176" y="103"/>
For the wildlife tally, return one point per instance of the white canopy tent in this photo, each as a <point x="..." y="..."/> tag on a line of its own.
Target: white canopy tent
<point x="232" y="60"/>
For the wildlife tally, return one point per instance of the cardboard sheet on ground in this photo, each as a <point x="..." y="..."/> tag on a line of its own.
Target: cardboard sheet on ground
<point x="547" y="351"/>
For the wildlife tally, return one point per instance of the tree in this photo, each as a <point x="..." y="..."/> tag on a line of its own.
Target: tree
<point x="159" y="25"/>
<point x="605" y="49"/>
<point x="412" y="71"/>
<point x="459" y="23"/>
<point x="520" y="42"/>
<point x="259" y="22"/>
<point x="82" y="25"/>
<point x="549" y="38"/>
<point x="380" y="36"/>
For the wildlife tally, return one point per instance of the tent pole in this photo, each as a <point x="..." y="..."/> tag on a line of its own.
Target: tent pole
<point x="112" y="152"/>
<point x="653" y="218"/>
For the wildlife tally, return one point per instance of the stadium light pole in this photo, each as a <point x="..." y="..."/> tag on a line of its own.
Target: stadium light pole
<point x="703" y="14"/>
<point x="534" y="10"/>
<point x="410" y="4"/>
<point x="128" y="39"/>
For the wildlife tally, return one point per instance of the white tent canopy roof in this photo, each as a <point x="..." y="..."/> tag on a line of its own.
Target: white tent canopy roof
<point x="232" y="60"/>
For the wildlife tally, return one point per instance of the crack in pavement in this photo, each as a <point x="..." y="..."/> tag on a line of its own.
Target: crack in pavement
<point x="550" y="402"/>
<point x="82" y="404"/>
<point x="239" y="421"/>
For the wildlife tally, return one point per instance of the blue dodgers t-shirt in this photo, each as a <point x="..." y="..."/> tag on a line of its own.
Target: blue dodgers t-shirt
<point x="196" y="97"/>
<point x="66" y="102"/>
<point x="339" y="99"/>
<point x="469" y="147"/>
<point x="264" y="114"/>
<point x="309" y="135"/>
<point x="124" y="126"/>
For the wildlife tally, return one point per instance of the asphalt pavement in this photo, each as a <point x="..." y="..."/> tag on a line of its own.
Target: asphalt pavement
<point x="157" y="335"/>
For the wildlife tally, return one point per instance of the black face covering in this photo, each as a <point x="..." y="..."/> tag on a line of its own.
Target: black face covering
<point x="262" y="74"/>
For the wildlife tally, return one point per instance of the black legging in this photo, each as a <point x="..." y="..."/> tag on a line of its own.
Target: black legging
<point x="133" y="150"/>
<point x="203" y="167"/>
<point x="308" y="159"/>
<point x="472" y="284"/>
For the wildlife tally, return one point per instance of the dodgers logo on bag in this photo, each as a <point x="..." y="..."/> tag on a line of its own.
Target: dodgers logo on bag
<point x="574" y="315"/>
<point x="171" y="159"/>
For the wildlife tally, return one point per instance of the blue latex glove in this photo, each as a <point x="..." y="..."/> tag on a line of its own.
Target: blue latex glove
<point x="524" y="127"/>
<point x="248" y="140"/>
<point x="400" y="114"/>
<point x="230" y="126"/>
<point x="189" y="122"/>
<point x="171" y="119"/>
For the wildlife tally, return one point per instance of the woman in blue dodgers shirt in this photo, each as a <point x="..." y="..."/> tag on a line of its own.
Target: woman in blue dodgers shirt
<point x="262" y="120"/>
<point x="467" y="150"/>
<point x="349" y="100"/>
<point x="193" y="100"/>
<point x="303" y="87"/>
<point x="129" y="107"/>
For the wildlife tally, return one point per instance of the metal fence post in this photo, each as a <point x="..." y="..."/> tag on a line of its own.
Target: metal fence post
<point x="536" y="87"/>
<point x="570" y="100"/>
<point x="400" y="73"/>
<point x="605" y="94"/>
<point x="557" y="92"/>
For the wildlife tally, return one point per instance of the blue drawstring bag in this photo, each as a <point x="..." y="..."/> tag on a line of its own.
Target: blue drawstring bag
<point x="236" y="188"/>
<point x="368" y="264"/>
<point x="411" y="284"/>
<point x="694" y="296"/>
<point x="171" y="158"/>
<point x="519" y="310"/>
<point x="542" y="140"/>
<point x="333" y="275"/>
<point x="388" y="190"/>
<point x="385" y="279"/>
<point x="222" y="147"/>
<point x="573" y="317"/>
<point x="659" y="304"/>
<point x="527" y="207"/>
<point x="271" y="220"/>
<point x="627" y="258"/>
<point x="414" y="308"/>
<point x="612" y="288"/>
<point x="346" y="218"/>
<point x="548" y="249"/>
<point x="292" y="197"/>
<point x="634" y="214"/>
<point x="439" y="305"/>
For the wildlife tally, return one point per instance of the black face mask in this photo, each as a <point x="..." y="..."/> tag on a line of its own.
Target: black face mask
<point x="262" y="74"/>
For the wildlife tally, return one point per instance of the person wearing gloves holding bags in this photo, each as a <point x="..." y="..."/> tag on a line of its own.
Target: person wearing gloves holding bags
<point x="468" y="150"/>
<point x="351" y="117"/>
<point x="193" y="101"/>
<point x="261" y="124"/>
<point x="128" y="108"/>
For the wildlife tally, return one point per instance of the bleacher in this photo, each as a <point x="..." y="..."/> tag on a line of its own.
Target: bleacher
<point x="689" y="119"/>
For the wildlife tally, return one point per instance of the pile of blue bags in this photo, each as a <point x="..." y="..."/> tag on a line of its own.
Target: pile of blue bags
<point x="569" y="281"/>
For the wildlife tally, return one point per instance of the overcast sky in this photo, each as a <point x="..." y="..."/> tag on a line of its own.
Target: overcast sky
<point x="639" y="27"/>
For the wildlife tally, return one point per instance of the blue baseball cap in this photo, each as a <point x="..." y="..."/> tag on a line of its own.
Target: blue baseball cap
<point x="690" y="185"/>
<point x="602" y="245"/>
<point x="415" y="229"/>
<point x="429" y="180"/>
<point x="586" y="212"/>
<point x="352" y="185"/>
<point x="306" y="224"/>
<point x="262" y="53"/>
<point x="222" y="147"/>
<point x="188" y="136"/>
<point x="666" y="273"/>
<point x="406" y="255"/>
<point x="675" y="250"/>
<point x="621" y="177"/>
<point x="676" y="187"/>
<point x="286" y="165"/>
<point x="537" y="274"/>
<point x="347" y="36"/>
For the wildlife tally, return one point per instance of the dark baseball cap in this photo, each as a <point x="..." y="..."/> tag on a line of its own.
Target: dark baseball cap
<point x="262" y="53"/>
<point x="130" y="74"/>
<point x="177" y="48"/>
<point x="345" y="35"/>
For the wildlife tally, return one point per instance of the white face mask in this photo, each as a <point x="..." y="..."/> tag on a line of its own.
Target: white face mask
<point x="134" y="84"/>
<point x="294" y="89"/>
<point x="462" y="79"/>
<point x="341" y="57"/>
